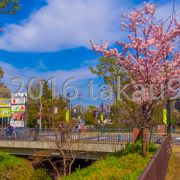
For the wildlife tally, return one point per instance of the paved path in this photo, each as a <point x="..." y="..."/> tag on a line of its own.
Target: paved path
<point x="176" y="150"/>
<point x="177" y="171"/>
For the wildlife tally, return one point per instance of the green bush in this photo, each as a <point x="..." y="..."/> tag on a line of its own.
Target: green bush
<point x="40" y="174"/>
<point x="137" y="148"/>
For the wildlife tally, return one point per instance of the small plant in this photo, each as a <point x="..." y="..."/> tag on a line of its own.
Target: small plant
<point x="136" y="148"/>
<point x="40" y="174"/>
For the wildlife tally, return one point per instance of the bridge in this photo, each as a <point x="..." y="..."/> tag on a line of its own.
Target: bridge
<point x="92" y="143"/>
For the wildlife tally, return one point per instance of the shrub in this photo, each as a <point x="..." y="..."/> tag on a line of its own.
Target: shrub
<point x="40" y="174"/>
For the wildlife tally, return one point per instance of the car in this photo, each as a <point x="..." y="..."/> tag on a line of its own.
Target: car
<point x="76" y="128"/>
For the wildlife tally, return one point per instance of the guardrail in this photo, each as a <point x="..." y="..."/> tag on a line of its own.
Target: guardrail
<point x="104" y="136"/>
<point x="158" y="166"/>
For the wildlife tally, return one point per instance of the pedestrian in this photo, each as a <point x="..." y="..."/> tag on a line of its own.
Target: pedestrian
<point x="61" y="129"/>
<point x="9" y="131"/>
<point x="36" y="135"/>
<point x="173" y="128"/>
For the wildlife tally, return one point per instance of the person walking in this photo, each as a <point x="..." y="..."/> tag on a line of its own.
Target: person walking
<point x="61" y="129"/>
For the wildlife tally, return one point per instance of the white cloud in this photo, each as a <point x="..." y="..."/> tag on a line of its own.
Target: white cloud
<point x="82" y="75"/>
<point x="65" y="24"/>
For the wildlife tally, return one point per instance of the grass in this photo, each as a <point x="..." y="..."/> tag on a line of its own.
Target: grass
<point x="174" y="167"/>
<point x="12" y="167"/>
<point x="15" y="168"/>
<point x="125" y="165"/>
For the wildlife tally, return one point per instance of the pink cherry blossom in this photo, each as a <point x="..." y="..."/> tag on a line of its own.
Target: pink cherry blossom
<point x="151" y="55"/>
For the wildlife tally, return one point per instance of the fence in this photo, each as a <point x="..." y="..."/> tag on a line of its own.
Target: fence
<point x="104" y="136"/>
<point x="158" y="166"/>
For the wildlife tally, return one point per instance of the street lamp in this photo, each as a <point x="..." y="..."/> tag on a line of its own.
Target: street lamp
<point x="40" y="124"/>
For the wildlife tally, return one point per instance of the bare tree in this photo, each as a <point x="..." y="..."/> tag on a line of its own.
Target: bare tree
<point x="69" y="146"/>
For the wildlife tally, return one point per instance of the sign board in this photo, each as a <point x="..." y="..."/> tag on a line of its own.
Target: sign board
<point x="38" y="121"/>
<point x="17" y="123"/>
<point x="5" y="112"/>
<point x="102" y="118"/>
<point x="18" y="116"/>
<point x="18" y="95"/>
<point x="67" y="115"/>
<point x="18" y="98"/>
<point x="5" y="102"/>
<point x="18" y="108"/>
<point x="165" y="117"/>
<point x="16" y="101"/>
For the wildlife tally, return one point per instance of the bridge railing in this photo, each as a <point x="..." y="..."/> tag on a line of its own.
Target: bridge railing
<point x="116" y="136"/>
<point x="104" y="136"/>
<point x="158" y="166"/>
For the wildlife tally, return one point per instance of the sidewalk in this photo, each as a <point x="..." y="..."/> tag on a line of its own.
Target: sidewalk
<point x="174" y="165"/>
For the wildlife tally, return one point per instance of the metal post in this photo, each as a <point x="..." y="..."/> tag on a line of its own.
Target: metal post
<point x="168" y="116"/>
<point x="103" y="116"/>
<point x="40" y="124"/>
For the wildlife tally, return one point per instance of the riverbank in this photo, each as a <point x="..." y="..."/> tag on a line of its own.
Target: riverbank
<point x="128" y="164"/>
<point x="12" y="168"/>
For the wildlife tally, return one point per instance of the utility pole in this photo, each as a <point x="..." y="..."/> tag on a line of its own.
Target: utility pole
<point x="69" y="106"/>
<point x="102" y="110"/>
<point x="40" y="124"/>
<point x="80" y="105"/>
<point x="68" y="101"/>
<point x="79" y="96"/>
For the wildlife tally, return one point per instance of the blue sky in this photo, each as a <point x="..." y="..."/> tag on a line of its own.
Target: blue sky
<point x="50" y="38"/>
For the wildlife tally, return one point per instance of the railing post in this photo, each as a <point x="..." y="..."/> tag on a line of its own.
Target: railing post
<point x="119" y="137"/>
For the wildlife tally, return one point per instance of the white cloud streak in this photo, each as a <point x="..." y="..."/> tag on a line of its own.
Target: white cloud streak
<point x="82" y="75"/>
<point x="65" y="24"/>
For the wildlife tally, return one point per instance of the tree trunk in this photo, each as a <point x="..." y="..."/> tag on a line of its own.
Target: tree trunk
<point x="144" y="140"/>
<point x="70" y="165"/>
<point x="64" y="164"/>
<point x="144" y="129"/>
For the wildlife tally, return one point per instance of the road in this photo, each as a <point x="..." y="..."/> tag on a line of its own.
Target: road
<point x="176" y="138"/>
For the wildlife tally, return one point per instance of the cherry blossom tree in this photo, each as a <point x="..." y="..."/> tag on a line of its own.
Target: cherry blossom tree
<point x="151" y="56"/>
